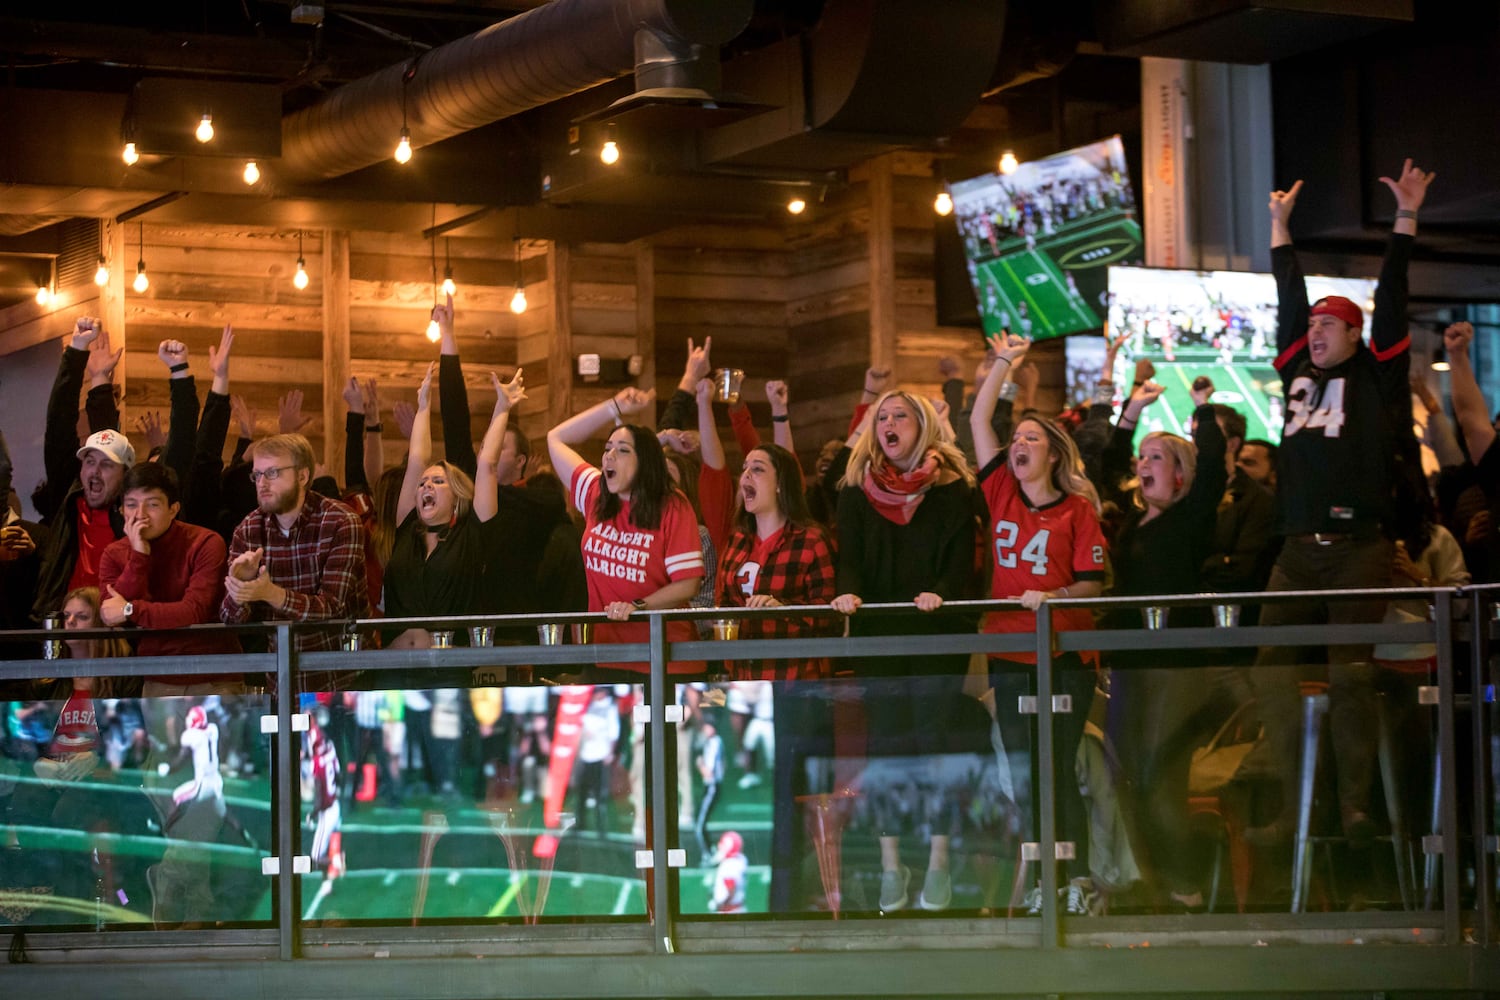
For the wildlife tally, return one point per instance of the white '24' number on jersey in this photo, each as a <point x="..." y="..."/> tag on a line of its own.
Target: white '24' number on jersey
<point x="1034" y="552"/>
<point x="1330" y="412"/>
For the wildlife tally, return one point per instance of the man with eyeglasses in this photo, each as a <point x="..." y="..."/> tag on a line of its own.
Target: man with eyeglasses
<point x="166" y="574"/>
<point x="299" y="556"/>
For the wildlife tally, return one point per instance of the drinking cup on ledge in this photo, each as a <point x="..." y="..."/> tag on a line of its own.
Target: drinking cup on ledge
<point x="1155" y="616"/>
<point x="549" y="635"/>
<point x="442" y="640"/>
<point x="1227" y="615"/>
<point x="727" y="384"/>
<point x="52" y="649"/>
<point x="583" y="633"/>
<point x="353" y="641"/>
<point x="481" y="635"/>
<point x="726" y="628"/>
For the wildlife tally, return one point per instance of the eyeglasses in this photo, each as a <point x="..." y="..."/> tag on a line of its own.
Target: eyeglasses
<point x="269" y="475"/>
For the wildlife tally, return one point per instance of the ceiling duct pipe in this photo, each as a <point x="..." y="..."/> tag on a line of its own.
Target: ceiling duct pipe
<point x="543" y="55"/>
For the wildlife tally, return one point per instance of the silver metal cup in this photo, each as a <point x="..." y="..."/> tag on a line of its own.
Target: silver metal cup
<point x="442" y="640"/>
<point x="583" y="633"/>
<point x="1155" y="617"/>
<point x="1227" y="615"/>
<point x="481" y="635"/>
<point x="549" y="635"/>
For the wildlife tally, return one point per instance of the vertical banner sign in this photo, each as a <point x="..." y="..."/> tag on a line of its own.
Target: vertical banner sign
<point x="1164" y="148"/>
<point x="566" y="735"/>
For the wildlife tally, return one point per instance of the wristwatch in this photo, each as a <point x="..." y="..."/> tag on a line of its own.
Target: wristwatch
<point x="640" y="603"/>
<point x="128" y="610"/>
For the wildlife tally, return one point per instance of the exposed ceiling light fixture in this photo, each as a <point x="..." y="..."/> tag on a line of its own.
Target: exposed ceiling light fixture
<point x="205" y="131"/>
<point x="300" y="279"/>
<point x="252" y="172"/>
<point x="943" y="203"/>
<point x="518" y="300"/>
<point x="141" y="282"/>
<point x="1008" y="162"/>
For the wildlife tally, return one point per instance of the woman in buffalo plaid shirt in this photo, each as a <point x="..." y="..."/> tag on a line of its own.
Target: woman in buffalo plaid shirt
<point x="776" y="556"/>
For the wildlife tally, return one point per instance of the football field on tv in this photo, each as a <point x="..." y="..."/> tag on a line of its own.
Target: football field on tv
<point x="1247" y="386"/>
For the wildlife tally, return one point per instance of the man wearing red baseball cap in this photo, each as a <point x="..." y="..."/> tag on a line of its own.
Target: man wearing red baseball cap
<point x="1348" y="425"/>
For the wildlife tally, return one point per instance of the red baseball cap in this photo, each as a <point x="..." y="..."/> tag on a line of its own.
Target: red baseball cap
<point x="1340" y="307"/>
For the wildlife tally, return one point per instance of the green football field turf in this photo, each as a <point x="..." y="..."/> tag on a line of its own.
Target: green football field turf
<point x="1240" y="386"/>
<point x="1035" y="277"/>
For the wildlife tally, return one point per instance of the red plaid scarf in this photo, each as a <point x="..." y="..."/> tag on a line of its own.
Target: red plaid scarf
<point x="896" y="495"/>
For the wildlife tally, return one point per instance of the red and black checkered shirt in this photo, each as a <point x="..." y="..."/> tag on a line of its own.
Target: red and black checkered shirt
<point x="799" y="570"/>
<point x="320" y="562"/>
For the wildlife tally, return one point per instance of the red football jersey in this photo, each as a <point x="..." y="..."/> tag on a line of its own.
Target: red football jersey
<point x="1039" y="548"/>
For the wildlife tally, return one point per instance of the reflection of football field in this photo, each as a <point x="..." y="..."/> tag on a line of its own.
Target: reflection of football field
<point x="1240" y="385"/>
<point x="1035" y="277"/>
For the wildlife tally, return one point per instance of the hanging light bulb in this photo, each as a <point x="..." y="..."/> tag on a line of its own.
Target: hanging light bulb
<point x="141" y="282"/>
<point x="205" y="132"/>
<point x="101" y="273"/>
<point x="43" y="294"/>
<point x="434" y="332"/>
<point x="518" y="301"/>
<point x="403" y="148"/>
<point x="300" y="278"/>
<point x="943" y="203"/>
<point x="252" y="172"/>
<point x="1008" y="162"/>
<point x="796" y="206"/>
<point x="609" y="153"/>
<point x="130" y="156"/>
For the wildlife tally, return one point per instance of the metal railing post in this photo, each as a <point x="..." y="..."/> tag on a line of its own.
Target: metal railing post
<point x="1046" y="796"/>
<point x="663" y="806"/>
<point x="1479" y="670"/>
<point x="288" y="912"/>
<point x="1448" y="754"/>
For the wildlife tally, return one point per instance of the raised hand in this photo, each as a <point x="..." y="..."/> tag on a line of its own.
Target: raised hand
<point x="218" y="358"/>
<point x="353" y="398"/>
<point x="704" y="391"/>
<point x="1009" y="347"/>
<point x="149" y="424"/>
<point x="1456" y="339"/>
<point x="85" y="331"/>
<point x="1410" y="188"/>
<point x="1202" y="391"/>
<point x="424" y="391"/>
<point x="443" y="314"/>
<point x="508" y="394"/>
<point x="172" y="353"/>
<point x="698" y="365"/>
<point x="1144" y="370"/>
<point x="371" y="393"/>
<point x="102" y="360"/>
<point x="404" y="414"/>
<point x="631" y="400"/>
<point x="876" y="379"/>
<point x="243" y="415"/>
<point x="776" y="395"/>
<point x="1282" y="202"/>
<point x="1145" y="394"/>
<point x="948" y="366"/>
<point x="289" y="418"/>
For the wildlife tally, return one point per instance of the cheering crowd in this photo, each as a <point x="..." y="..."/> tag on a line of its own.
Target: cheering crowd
<point x="926" y="502"/>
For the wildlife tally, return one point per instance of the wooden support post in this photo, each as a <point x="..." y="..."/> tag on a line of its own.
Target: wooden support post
<point x="112" y="300"/>
<point x="645" y="314"/>
<point x="882" y="245"/>
<point x="560" y="352"/>
<point x="335" y="346"/>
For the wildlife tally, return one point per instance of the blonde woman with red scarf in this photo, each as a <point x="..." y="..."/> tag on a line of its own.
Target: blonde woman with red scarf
<point x="908" y="523"/>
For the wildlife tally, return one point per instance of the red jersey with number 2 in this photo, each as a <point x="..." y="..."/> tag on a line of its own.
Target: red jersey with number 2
<point x="1038" y="548"/>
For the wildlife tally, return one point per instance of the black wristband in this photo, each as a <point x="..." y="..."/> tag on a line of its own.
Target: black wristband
<point x="373" y="428"/>
<point x="781" y="419"/>
<point x="174" y="369"/>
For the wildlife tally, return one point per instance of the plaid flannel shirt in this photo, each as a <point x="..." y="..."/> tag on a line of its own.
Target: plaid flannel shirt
<point x="798" y="571"/>
<point x="320" y="562"/>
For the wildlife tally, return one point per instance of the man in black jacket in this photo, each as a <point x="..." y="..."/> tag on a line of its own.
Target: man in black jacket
<point x="83" y="484"/>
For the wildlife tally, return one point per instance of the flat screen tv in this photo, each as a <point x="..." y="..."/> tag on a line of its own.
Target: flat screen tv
<point x="1037" y="242"/>
<point x="1221" y="324"/>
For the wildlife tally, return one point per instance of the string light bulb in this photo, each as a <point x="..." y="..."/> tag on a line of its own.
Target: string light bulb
<point x="518" y="300"/>
<point x="130" y="155"/>
<point x="609" y="153"/>
<point x="205" y="132"/>
<point x="403" y="148"/>
<point x="101" y="273"/>
<point x="43" y="294"/>
<point x="300" y="279"/>
<point x="1008" y="163"/>
<point x="434" y="332"/>
<point x="252" y="172"/>
<point x="141" y="282"/>
<point x="796" y="206"/>
<point x="943" y="203"/>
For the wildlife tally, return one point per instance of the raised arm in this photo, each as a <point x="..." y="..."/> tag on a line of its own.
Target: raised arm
<point x="679" y="410"/>
<point x="1468" y="402"/>
<point x="354" y="436"/>
<point x="711" y="448"/>
<point x="1009" y="350"/>
<point x="453" y="394"/>
<point x="562" y="440"/>
<point x="202" y="490"/>
<point x="486" y="484"/>
<point x="182" y="431"/>
<point x="419" y="449"/>
<point x="374" y="440"/>
<point x="781" y="414"/>
<point x="1291" y="290"/>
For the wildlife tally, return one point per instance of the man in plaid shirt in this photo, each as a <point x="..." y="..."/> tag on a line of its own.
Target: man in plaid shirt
<point x="299" y="556"/>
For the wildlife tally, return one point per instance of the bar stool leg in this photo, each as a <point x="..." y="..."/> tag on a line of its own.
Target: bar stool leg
<point x="1389" y="784"/>
<point x="1314" y="711"/>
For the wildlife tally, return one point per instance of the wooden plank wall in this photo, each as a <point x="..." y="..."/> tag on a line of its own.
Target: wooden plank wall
<point x="730" y="284"/>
